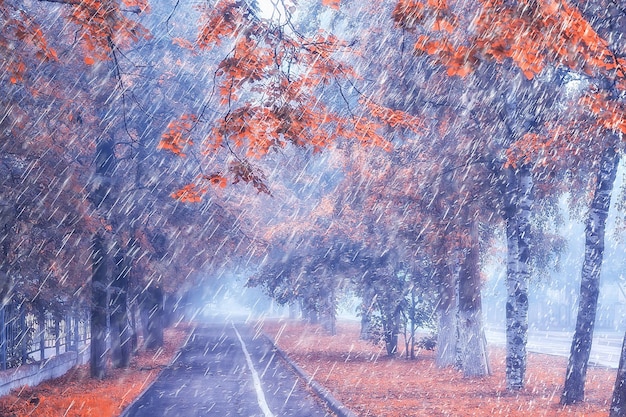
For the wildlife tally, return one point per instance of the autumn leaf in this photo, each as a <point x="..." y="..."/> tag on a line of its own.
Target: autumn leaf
<point x="334" y="4"/>
<point x="183" y="43"/>
<point x="89" y="60"/>
<point x="190" y="193"/>
<point x="176" y="137"/>
<point x="217" y="180"/>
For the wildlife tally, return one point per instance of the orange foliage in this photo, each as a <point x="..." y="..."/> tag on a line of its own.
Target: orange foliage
<point x="103" y="26"/>
<point x="434" y="14"/>
<point x="77" y="395"/>
<point x="334" y="4"/>
<point x="610" y="114"/>
<point x="371" y="384"/>
<point x="183" y="43"/>
<point x="19" y="28"/>
<point x="280" y="77"/>
<point x="220" y="21"/>
<point x="190" y="193"/>
<point x="394" y="118"/>
<point x="176" y="137"/>
<point x="531" y="34"/>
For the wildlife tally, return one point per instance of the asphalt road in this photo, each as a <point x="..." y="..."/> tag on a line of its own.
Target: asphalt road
<point x="605" y="349"/>
<point x="227" y="369"/>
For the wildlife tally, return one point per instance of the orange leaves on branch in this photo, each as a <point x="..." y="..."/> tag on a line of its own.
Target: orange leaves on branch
<point x="20" y="29"/>
<point x="17" y="72"/>
<point x="393" y="118"/>
<point x="280" y="76"/>
<point x="137" y="5"/>
<point x="366" y="132"/>
<point x="223" y="20"/>
<point x="103" y="25"/>
<point x="408" y="14"/>
<point x="216" y="180"/>
<point x="333" y="4"/>
<point x="526" y="150"/>
<point x="435" y="14"/>
<point x="609" y="113"/>
<point x="190" y="193"/>
<point x="176" y="137"/>
<point x="531" y="34"/>
<point x="244" y="171"/>
<point x="248" y="63"/>
<point x="183" y="43"/>
<point x="458" y="60"/>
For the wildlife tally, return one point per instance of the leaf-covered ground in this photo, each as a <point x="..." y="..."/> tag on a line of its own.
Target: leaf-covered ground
<point x="371" y="384"/>
<point x="77" y="395"/>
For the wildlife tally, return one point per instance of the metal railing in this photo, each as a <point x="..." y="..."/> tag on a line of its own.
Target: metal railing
<point x="26" y="338"/>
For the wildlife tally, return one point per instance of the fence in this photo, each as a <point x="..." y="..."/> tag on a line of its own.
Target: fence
<point x="26" y="338"/>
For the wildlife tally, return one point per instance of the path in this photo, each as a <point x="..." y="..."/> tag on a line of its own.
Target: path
<point x="224" y="370"/>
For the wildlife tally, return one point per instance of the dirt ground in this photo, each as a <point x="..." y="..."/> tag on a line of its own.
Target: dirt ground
<point x="371" y="384"/>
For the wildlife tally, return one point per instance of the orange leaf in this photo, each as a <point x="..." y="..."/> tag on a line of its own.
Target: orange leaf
<point x="190" y="193"/>
<point x="89" y="60"/>
<point x="334" y="4"/>
<point x="183" y="43"/>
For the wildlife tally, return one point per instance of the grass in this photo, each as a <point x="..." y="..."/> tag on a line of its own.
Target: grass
<point x="372" y="384"/>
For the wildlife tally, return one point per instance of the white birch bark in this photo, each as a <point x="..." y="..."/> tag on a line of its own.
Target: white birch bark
<point x="518" y="202"/>
<point x="471" y="330"/>
<point x="445" y="355"/>
<point x="574" y="387"/>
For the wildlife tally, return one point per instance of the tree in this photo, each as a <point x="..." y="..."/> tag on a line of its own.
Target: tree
<point x="618" y="403"/>
<point x="573" y="390"/>
<point x="496" y="37"/>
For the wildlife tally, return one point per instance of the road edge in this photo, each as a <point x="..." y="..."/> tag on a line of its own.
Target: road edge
<point x="335" y="405"/>
<point x="126" y="409"/>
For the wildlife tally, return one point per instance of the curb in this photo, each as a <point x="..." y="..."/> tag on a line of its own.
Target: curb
<point x="126" y="409"/>
<point x="335" y="405"/>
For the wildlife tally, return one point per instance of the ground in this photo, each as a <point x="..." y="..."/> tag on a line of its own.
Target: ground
<point x="371" y="384"/>
<point x="356" y="372"/>
<point x="77" y="395"/>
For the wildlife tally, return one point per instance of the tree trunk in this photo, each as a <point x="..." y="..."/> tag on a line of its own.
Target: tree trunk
<point x="413" y="328"/>
<point x="618" y="404"/>
<point x="329" y="314"/>
<point x="391" y="330"/>
<point x="471" y="331"/>
<point x="367" y="307"/>
<point x="293" y="310"/>
<point x="574" y="389"/>
<point x="329" y="323"/>
<point x="98" y="322"/>
<point x="517" y="216"/>
<point x="153" y="305"/>
<point x="309" y="311"/>
<point x="121" y="346"/>
<point x="134" y="339"/>
<point x="102" y="199"/>
<point x="447" y="314"/>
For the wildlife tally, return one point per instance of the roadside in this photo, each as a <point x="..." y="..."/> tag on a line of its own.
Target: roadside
<point x="605" y="350"/>
<point x="359" y="375"/>
<point x="77" y="395"/>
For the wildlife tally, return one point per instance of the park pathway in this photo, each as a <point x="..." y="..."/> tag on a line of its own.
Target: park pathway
<point x="227" y="369"/>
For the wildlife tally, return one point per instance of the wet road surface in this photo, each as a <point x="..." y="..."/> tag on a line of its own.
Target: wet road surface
<point x="605" y="349"/>
<point x="224" y="370"/>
